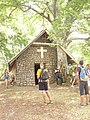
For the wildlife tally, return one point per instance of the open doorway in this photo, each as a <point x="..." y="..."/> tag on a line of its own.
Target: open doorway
<point x="36" y="67"/>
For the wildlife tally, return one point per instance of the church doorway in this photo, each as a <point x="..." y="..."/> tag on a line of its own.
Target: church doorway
<point x="36" y="67"/>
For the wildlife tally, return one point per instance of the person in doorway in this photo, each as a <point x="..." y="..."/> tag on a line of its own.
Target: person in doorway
<point x="82" y="72"/>
<point x="42" y="76"/>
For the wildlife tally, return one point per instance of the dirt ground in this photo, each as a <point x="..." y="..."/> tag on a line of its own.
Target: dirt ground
<point x="25" y="103"/>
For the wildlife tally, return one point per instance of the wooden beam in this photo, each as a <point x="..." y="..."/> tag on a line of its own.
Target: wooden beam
<point x="53" y="44"/>
<point x="38" y="43"/>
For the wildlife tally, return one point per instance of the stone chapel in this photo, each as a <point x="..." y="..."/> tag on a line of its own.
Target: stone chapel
<point x="26" y="63"/>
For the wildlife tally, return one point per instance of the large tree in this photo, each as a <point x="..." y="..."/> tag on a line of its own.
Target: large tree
<point x="62" y="14"/>
<point x="20" y="18"/>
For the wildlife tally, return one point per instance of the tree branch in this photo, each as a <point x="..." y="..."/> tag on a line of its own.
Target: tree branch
<point x="42" y="14"/>
<point x="70" y="39"/>
<point x="12" y="11"/>
<point x="45" y="3"/>
<point x="28" y="7"/>
<point x="49" y="8"/>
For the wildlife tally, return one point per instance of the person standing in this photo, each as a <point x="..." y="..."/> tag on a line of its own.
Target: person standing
<point x="12" y="78"/>
<point x="42" y="76"/>
<point x="75" y="77"/>
<point x="6" y="77"/>
<point x="58" y="76"/>
<point x="82" y="72"/>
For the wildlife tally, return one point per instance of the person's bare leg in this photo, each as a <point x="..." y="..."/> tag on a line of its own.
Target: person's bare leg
<point x="73" y="83"/>
<point x="87" y="99"/>
<point x="6" y="83"/>
<point x="44" y="96"/>
<point x="49" y="96"/>
<point x="71" y="80"/>
<point x="82" y="100"/>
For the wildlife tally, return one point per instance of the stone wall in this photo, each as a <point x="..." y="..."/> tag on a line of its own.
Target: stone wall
<point x="61" y="57"/>
<point x="24" y="64"/>
<point x="62" y="60"/>
<point x="25" y="73"/>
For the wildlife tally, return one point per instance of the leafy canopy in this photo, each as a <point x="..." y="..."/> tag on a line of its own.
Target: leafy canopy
<point x="20" y="20"/>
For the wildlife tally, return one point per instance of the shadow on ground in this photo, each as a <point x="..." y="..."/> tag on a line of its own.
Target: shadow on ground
<point x="26" y="103"/>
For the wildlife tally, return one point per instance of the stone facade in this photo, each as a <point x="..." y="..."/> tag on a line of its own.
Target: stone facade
<point x="26" y="63"/>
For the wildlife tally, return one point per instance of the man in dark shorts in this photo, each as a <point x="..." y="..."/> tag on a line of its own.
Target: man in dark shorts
<point x="43" y="84"/>
<point x="83" y="83"/>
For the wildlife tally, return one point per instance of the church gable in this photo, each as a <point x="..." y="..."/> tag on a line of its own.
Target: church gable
<point x="35" y="54"/>
<point x="44" y="39"/>
<point x="28" y="62"/>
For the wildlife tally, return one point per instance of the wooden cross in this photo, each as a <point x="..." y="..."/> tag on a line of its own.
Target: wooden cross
<point x="42" y="51"/>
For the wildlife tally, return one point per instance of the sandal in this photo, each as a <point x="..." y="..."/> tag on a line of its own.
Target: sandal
<point x="50" y="102"/>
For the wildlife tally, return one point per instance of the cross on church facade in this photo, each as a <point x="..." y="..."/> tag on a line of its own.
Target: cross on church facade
<point x="42" y="51"/>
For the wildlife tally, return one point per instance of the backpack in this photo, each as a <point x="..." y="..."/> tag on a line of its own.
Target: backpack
<point x="83" y="74"/>
<point x="44" y="74"/>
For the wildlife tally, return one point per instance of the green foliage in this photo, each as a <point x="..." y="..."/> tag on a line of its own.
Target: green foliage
<point x="15" y="32"/>
<point x="86" y="52"/>
<point x="80" y="50"/>
<point x="72" y="15"/>
<point x="20" y="20"/>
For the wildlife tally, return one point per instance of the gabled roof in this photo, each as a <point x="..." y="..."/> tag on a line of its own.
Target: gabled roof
<point x="68" y="54"/>
<point x="33" y="42"/>
<point x="63" y="49"/>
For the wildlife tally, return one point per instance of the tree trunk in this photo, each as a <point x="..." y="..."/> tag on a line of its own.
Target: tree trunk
<point x="55" y="8"/>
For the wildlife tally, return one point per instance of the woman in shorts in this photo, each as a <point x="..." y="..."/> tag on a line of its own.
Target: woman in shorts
<point x="6" y="77"/>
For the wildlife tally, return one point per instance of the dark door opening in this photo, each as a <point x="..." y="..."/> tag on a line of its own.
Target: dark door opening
<point x="36" y="67"/>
